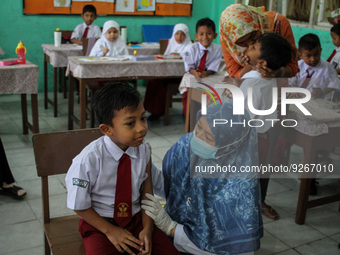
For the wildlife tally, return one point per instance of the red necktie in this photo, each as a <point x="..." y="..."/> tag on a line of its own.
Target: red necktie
<point x="123" y="201"/>
<point x="85" y="32"/>
<point x="331" y="56"/>
<point x="307" y="80"/>
<point x="201" y="67"/>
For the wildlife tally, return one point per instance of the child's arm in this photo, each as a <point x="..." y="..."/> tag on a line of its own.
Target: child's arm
<point x="74" y="40"/>
<point x="337" y="71"/>
<point x="206" y="73"/>
<point x="119" y="237"/>
<point x="195" y="73"/>
<point x="146" y="234"/>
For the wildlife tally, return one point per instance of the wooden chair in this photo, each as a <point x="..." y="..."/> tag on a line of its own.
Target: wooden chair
<point x="53" y="156"/>
<point x="171" y="87"/>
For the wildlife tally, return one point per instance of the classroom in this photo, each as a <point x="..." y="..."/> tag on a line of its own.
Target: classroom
<point x="181" y="102"/>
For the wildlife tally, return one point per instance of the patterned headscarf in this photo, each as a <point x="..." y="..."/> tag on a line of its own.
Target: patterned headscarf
<point x="220" y="212"/>
<point x="238" y="20"/>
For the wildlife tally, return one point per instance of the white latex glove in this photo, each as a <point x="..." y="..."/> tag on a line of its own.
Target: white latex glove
<point x="155" y="211"/>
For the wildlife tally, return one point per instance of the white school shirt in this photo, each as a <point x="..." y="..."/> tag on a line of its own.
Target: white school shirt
<point x="262" y="98"/>
<point x="91" y="179"/>
<point x="335" y="61"/>
<point x="324" y="76"/>
<point x="94" y="31"/>
<point x="193" y="54"/>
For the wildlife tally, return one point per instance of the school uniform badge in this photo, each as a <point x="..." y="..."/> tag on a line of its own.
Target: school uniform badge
<point x="80" y="182"/>
<point x="123" y="207"/>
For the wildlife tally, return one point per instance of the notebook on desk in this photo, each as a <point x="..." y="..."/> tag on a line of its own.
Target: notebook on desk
<point x="143" y="58"/>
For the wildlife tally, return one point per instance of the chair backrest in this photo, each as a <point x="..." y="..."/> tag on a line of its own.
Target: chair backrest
<point x="163" y="44"/>
<point x="88" y="44"/>
<point x="66" y="33"/>
<point x="54" y="153"/>
<point x="153" y="33"/>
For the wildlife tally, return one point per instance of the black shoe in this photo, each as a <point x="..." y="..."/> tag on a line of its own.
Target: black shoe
<point x="313" y="188"/>
<point x="339" y="246"/>
<point x="154" y="117"/>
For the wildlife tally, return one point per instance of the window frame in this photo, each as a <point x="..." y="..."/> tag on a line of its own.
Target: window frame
<point x="314" y="22"/>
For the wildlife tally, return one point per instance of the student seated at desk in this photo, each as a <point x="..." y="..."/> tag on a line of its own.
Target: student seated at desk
<point x="110" y="44"/>
<point x="203" y="57"/>
<point x="86" y="29"/>
<point x="109" y="177"/>
<point x="154" y="101"/>
<point x="316" y="75"/>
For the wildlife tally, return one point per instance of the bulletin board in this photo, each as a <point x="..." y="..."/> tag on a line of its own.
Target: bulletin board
<point x="105" y="7"/>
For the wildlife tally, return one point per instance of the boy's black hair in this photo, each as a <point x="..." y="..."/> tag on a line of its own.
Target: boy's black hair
<point x="206" y="22"/>
<point x="114" y="97"/>
<point x="336" y="29"/>
<point x="309" y="42"/>
<point x="90" y="8"/>
<point x="276" y="50"/>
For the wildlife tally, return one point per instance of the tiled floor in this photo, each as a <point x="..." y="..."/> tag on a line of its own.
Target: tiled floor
<point x="21" y="220"/>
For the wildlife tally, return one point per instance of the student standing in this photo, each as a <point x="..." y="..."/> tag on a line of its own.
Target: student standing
<point x="86" y="29"/>
<point x="107" y="179"/>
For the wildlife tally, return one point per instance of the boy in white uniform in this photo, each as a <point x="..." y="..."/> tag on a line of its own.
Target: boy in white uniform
<point x="107" y="179"/>
<point x="316" y="75"/>
<point x="86" y="29"/>
<point x="202" y="58"/>
<point x="334" y="58"/>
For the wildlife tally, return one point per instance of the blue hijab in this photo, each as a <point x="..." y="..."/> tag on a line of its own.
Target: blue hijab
<point x="220" y="212"/>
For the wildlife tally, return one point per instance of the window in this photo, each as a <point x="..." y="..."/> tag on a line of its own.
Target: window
<point x="303" y="13"/>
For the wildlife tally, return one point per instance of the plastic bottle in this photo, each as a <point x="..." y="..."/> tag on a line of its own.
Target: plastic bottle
<point x="21" y="51"/>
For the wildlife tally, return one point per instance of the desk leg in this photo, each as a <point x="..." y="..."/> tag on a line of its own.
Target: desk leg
<point x="45" y="82"/>
<point x="35" y="113"/>
<point x="309" y="155"/>
<point x="64" y="81"/>
<point x="70" y="103"/>
<point x="24" y="114"/>
<point x="55" y="91"/>
<point x="187" y="117"/>
<point x="82" y="104"/>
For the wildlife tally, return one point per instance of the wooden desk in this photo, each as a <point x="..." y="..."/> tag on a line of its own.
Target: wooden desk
<point x="115" y="70"/>
<point x="57" y="57"/>
<point x="22" y="79"/>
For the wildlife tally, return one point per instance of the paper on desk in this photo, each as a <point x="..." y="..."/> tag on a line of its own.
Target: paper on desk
<point x="91" y="59"/>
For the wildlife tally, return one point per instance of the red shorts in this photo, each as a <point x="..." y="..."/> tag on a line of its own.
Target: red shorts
<point x="96" y="243"/>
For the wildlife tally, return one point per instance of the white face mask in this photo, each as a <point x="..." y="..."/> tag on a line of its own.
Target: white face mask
<point x="202" y="148"/>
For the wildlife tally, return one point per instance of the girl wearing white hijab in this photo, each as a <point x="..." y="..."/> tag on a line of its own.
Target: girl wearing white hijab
<point x="154" y="100"/>
<point x="179" y="41"/>
<point x="110" y="44"/>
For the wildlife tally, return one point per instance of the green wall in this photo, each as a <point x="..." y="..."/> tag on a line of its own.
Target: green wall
<point x="35" y="30"/>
